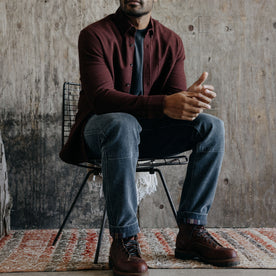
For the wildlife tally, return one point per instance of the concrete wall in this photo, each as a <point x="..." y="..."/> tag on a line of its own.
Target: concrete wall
<point x="232" y="39"/>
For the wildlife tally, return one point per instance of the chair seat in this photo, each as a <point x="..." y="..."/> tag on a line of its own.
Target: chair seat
<point x="144" y="162"/>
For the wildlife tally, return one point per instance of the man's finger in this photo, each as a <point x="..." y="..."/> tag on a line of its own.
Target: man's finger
<point x="194" y="101"/>
<point x="203" y="98"/>
<point x="209" y="87"/>
<point x="206" y="95"/>
<point x="210" y="94"/>
<point x="202" y="78"/>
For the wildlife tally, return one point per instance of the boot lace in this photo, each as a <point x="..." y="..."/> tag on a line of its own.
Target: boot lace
<point x="201" y="233"/>
<point x="132" y="247"/>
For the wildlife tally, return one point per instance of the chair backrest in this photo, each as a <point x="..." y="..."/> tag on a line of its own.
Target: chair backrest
<point x="71" y="92"/>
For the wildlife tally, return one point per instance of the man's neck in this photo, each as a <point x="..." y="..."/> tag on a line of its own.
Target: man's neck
<point x="140" y="23"/>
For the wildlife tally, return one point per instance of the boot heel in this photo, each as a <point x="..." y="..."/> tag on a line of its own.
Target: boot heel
<point x="184" y="255"/>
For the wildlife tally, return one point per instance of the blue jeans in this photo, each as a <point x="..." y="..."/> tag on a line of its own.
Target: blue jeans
<point x="118" y="139"/>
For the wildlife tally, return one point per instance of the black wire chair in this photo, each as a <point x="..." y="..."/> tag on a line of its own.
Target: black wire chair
<point x="70" y="105"/>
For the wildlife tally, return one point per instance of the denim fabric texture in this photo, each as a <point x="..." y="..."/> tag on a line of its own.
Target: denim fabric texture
<point x="118" y="139"/>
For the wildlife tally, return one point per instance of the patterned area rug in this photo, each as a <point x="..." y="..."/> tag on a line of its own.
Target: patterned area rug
<point x="32" y="250"/>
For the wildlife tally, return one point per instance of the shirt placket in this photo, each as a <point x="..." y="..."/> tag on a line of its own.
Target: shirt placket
<point x="130" y="57"/>
<point x="146" y="65"/>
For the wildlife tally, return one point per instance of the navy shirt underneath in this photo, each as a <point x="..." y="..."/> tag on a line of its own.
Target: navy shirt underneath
<point x="137" y="74"/>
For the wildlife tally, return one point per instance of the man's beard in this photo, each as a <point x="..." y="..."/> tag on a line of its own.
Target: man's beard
<point x="137" y="13"/>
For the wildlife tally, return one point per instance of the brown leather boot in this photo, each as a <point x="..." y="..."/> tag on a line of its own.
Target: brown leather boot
<point x="125" y="257"/>
<point x="194" y="242"/>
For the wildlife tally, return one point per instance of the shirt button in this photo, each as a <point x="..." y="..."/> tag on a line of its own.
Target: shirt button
<point x="131" y="64"/>
<point x="128" y="84"/>
<point x="131" y="45"/>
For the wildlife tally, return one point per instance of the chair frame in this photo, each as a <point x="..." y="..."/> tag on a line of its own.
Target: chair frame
<point x="69" y="108"/>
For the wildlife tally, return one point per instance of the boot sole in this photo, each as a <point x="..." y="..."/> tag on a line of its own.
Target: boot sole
<point x="120" y="273"/>
<point x="184" y="255"/>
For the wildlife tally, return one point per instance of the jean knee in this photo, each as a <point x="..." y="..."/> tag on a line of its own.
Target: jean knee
<point x="122" y="126"/>
<point x="218" y="126"/>
<point x="212" y="128"/>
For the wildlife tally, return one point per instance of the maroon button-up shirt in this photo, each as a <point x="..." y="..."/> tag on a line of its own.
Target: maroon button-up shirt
<point x="106" y="55"/>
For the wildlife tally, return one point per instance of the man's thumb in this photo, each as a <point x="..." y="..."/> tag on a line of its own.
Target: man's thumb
<point x="202" y="78"/>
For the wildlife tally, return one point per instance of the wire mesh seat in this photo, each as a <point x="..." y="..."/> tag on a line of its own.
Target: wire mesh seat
<point x="71" y="93"/>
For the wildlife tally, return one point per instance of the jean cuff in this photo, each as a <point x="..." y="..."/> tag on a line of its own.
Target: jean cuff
<point x="124" y="231"/>
<point x="191" y="218"/>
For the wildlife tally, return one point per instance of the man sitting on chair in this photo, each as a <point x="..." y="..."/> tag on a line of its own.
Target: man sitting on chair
<point x="134" y="103"/>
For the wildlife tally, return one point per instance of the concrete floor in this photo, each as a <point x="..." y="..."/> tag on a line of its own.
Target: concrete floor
<point x="159" y="272"/>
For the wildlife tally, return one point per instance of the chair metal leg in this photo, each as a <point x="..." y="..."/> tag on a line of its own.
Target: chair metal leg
<point x="167" y="192"/>
<point x="100" y="236"/>
<point x="72" y="206"/>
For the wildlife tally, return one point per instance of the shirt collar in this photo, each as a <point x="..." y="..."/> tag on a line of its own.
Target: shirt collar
<point x="125" y="25"/>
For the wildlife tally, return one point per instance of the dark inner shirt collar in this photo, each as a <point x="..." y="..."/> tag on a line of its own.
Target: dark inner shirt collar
<point x="142" y="32"/>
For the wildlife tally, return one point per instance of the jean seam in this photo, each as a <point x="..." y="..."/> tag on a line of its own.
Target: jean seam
<point x="193" y="164"/>
<point x="192" y="176"/>
<point x="107" y="192"/>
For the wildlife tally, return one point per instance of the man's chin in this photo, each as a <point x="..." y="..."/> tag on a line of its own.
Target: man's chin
<point x="135" y="13"/>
